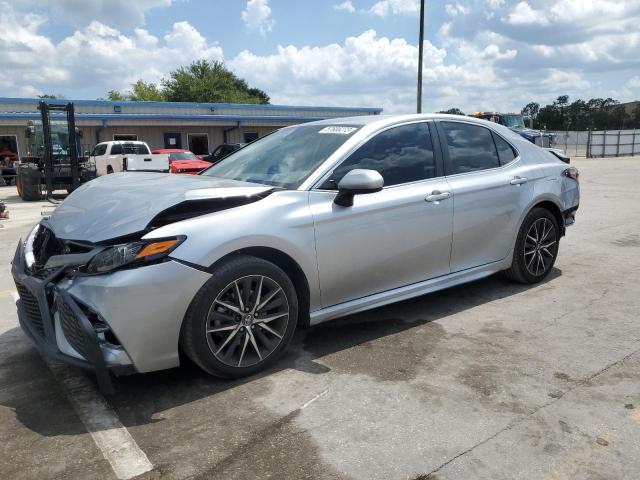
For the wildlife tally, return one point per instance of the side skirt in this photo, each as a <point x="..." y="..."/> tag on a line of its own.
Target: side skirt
<point x="407" y="292"/>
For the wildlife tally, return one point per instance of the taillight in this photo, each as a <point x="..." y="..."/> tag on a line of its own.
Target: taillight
<point x="571" y="172"/>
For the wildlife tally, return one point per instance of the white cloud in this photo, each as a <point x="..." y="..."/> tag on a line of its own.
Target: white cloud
<point x="29" y="91"/>
<point x="383" y="8"/>
<point x="493" y="51"/>
<point x="345" y="6"/>
<point x="92" y="60"/>
<point x="121" y="13"/>
<point x="563" y="80"/>
<point x="363" y="70"/>
<point x="257" y="16"/>
<point x="523" y="14"/>
<point x="633" y="82"/>
<point x="457" y="9"/>
<point x="478" y="62"/>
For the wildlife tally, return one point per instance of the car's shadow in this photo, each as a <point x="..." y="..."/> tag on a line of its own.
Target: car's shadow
<point x="138" y="397"/>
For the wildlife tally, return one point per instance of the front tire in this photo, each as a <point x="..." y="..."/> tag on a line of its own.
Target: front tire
<point x="536" y="247"/>
<point x="242" y="319"/>
<point x="28" y="183"/>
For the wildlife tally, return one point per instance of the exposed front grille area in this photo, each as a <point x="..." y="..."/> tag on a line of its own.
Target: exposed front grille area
<point x="31" y="308"/>
<point x="45" y="245"/>
<point x="72" y="328"/>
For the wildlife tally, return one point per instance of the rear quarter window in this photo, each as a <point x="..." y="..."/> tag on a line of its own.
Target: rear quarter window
<point x="506" y="153"/>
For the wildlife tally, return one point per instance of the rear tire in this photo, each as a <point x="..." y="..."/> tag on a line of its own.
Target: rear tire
<point x="242" y="319"/>
<point x="536" y="247"/>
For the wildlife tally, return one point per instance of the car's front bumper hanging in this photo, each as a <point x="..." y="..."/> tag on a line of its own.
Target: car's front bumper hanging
<point x="39" y="304"/>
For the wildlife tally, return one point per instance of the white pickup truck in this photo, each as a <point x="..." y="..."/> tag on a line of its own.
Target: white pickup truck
<point x="112" y="157"/>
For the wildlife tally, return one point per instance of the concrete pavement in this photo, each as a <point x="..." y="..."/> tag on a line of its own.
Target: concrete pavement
<point x="489" y="380"/>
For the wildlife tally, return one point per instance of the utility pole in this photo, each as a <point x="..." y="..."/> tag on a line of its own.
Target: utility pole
<point x="420" y="49"/>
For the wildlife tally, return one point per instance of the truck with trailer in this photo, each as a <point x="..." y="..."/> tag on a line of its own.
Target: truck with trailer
<point x="515" y="122"/>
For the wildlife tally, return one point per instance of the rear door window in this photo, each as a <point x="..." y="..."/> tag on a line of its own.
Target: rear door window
<point x="471" y="147"/>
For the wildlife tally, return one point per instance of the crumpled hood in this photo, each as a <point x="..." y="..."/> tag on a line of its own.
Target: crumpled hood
<point x="122" y="204"/>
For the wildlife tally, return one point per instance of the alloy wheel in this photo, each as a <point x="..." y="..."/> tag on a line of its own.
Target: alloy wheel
<point x="247" y="321"/>
<point x="540" y="246"/>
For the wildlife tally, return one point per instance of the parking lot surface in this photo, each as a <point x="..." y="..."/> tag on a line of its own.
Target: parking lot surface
<point x="490" y="380"/>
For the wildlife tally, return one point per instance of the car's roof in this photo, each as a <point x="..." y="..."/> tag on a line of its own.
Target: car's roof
<point x="363" y="120"/>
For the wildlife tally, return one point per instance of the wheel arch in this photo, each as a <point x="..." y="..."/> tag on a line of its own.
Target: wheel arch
<point x="289" y="266"/>
<point x="555" y="211"/>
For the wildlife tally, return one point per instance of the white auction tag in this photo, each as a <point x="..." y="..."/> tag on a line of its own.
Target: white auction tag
<point x="338" y="130"/>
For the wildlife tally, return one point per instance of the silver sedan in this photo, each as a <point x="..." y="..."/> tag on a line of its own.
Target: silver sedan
<point x="307" y="224"/>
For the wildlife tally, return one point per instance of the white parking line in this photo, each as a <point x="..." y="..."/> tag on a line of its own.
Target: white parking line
<point x="114" y="441"/>
<point x="321" y="394"/>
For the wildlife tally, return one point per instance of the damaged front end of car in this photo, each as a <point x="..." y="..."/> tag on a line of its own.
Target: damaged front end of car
<point x="101" y="305"/>
<point x="59" y="325"/>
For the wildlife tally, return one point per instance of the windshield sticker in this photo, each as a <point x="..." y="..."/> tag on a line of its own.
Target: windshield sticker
<point x="338" y="130"/>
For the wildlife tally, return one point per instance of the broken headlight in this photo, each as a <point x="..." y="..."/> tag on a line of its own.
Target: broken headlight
<point x="29" y="256"/>
<point x="132" y="254"/>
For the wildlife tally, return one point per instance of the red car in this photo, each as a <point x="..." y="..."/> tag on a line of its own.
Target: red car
<point x="183" y="161"/>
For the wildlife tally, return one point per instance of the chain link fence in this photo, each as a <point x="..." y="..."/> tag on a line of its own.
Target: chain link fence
<point x="573" y="143"/>
<point x="600" y="143"/>
<point x="613" y="143"/>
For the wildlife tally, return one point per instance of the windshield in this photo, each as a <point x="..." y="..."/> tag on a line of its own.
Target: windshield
<point x="59" y="139"/>
<point x="513" y="121"/>
<point x="284" y="158"/>
<point x="183" y="156"/>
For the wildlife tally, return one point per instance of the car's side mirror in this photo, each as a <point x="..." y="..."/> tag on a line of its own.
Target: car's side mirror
<point x="356" y="182"/>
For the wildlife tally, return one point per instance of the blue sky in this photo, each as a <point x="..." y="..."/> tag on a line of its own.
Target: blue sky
<point x="479" y="54"/>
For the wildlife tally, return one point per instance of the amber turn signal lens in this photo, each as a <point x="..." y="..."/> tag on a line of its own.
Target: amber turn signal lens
<point x="155" y="248"/>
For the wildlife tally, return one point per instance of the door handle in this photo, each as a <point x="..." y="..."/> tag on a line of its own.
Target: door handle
<point x="437" y="195"/>
<point x="518" y="181"/>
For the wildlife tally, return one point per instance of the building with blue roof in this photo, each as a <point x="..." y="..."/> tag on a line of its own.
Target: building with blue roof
<point x="199" y="127"/>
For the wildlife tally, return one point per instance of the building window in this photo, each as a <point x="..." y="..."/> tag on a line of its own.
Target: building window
<point x="250" y="136"/>
<point x="125" y="137"/>
<point x="198" y="143"/>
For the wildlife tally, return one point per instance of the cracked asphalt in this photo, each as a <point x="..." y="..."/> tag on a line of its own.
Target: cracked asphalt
<point x="491" y="380"/>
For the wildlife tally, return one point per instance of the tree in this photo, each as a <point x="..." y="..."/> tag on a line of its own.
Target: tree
<point x="147" y="92"/>
<point x="141" y="91"/>
<point x="116" y="96"/>
<point x="49" y="96"/>
<point x="204" y="81"/>
<point x="635" y="117"/>
<point x="596" y="113"/>
<point x="531" y="110"/>
<point x="453" y="111"/>
<point x="201" y="81"/>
